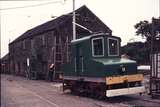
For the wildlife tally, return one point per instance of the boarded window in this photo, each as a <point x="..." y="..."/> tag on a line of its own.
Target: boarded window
<point x="32" y="44"/>
<point x="43" y="40"/>
<point x="58" y="57"/>
<point x="24" y="44"/>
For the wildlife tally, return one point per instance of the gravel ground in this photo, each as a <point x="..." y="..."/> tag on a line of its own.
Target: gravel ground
<point x="20" y="92"/>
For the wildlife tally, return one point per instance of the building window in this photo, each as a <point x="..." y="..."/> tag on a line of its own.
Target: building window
<point x="24" y="45"/>
<point x="32" y="43"/>
<point x="43" y="40"/>
<point x="98" y="47"/>
<point x="113" y="47"/>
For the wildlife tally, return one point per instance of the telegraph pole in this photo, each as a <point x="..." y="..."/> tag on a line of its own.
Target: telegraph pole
<point x="74" y="21"/>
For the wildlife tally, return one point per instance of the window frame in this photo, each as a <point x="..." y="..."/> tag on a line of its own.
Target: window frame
<point x="93" y="54"/>
<point x="111" y="38"/>
<point x="32" y="43"/>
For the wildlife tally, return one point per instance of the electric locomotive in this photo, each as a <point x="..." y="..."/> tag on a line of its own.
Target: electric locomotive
<point x="96" y="68"/>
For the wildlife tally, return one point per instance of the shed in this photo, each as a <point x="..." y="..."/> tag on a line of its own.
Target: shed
<point x="49" y="43"/>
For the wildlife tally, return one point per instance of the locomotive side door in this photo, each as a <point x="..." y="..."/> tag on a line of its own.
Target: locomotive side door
<point x="79" y="61"/>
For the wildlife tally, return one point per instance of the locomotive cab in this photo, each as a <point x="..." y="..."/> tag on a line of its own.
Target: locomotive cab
<point x="96" y="66"/>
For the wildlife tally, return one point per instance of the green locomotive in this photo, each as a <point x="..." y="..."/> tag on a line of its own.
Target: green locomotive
<point x="97" y="68"/>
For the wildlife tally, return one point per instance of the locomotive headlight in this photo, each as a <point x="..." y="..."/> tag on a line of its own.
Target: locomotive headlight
<point x="123" y="69"/>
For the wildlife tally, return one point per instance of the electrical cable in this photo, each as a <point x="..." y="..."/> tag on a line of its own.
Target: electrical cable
<point x="1" y="9"/>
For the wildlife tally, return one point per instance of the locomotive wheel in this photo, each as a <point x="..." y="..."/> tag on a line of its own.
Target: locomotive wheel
<point x="100" y="93"/>
<point x="76" y="89"/>
<point x="96" y="91"/>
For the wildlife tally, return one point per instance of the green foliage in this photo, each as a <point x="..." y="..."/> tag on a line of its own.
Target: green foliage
<point x="143" y="28"/>
<point x="148" y="29"/>
<point x="137" y="51"/>
<point x="141" y="51"/>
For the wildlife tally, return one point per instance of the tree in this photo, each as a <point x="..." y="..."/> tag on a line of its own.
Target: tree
<point x="149" y="29"/>
<point x="137" y="51"/>
<point x="140" y="51"/>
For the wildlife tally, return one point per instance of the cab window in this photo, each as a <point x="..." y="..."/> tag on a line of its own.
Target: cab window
<point x="98" y="47"/>
<point x="113" y="47"/>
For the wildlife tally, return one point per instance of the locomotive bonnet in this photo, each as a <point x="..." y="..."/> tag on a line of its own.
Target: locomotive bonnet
<point x="96" y="66"/>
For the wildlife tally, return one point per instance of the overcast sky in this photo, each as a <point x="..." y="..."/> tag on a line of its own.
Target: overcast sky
<point x="119" y="15"/>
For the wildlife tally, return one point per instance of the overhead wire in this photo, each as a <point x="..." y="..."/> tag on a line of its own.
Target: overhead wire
<point x="28" y="6"/>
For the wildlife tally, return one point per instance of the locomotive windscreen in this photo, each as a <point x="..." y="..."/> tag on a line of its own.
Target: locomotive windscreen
<point x="98" y="47"/>
<point x="113" y="47"/>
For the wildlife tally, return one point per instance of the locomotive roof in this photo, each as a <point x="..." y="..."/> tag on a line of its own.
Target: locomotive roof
<point x="112" y="61"/>
<point x="90" y="36"/>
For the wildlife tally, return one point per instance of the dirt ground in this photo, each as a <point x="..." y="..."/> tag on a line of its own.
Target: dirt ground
<point x="21" y="92"/>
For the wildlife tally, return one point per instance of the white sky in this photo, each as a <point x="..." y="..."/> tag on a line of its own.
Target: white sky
<point x="119" y="15"/>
